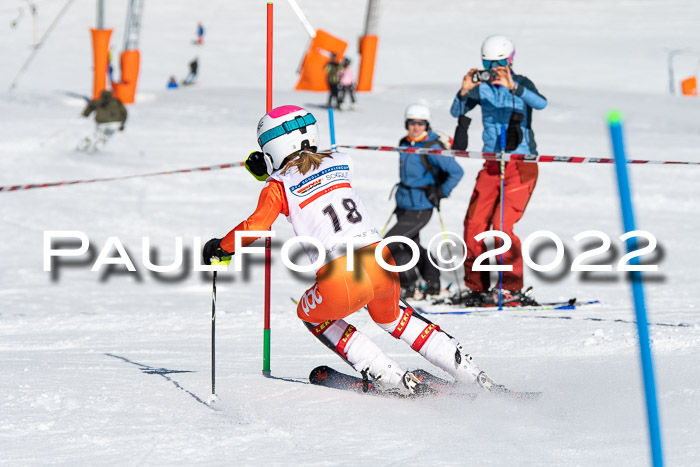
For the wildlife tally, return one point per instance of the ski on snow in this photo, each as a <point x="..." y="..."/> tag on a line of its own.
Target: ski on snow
<point x="434" y="386"/>
<point x="571" y="304"/>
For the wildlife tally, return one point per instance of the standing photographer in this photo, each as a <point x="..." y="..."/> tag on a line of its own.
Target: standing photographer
<point x="506" y="101"/>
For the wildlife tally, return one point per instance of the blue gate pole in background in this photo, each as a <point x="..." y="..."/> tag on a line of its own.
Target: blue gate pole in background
<point x="615" y="122"/>
<point x="332" y="125"/>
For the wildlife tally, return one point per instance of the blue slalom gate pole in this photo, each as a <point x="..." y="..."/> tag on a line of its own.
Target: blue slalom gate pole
<point x="503" y="176"/>
<point x="332" y="125"/>
<point x="615" y="122"/>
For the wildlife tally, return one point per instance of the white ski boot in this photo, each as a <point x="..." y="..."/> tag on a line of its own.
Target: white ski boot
<point x="469" y="372"/>
<point x="444" y="352"/>
<point x="488" y="384"/>
<point x="387" y="375"/>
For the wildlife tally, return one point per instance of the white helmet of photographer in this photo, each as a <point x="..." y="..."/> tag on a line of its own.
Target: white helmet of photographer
<point x="417" y="112"/>
<point x="497" y="47"/>
<point x="285" y="130"/>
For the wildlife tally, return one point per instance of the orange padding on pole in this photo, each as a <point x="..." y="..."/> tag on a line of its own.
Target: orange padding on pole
<point x="689" y="86"/>
<point x="100" y="51"/>
<point x="312" y="77"/>
<point x="368" y="52"/>
<point x="125" y="90"/>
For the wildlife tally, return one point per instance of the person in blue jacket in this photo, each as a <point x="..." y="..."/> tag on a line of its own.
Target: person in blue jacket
<point x="425" y="180"/>
<point x="200" y="34"/>
<point x="507" y="101"/>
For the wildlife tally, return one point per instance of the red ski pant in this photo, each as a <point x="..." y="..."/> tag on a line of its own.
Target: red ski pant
<point x="338" y="293"/>
<point x="484" y="213"/>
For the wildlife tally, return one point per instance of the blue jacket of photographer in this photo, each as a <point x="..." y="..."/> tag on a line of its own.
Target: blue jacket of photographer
<point x="497" y="106"/>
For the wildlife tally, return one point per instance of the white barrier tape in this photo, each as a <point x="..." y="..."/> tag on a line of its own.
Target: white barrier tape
<point x="494" y="156"/>
<point x="489" y="156"/>
<point x="74" y="182"/>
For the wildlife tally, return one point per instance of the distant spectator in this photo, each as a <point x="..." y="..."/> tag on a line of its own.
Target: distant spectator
<point x="110" y="68"/>
<point x="332" y="70"/>
<point x="347" y="82"/>
<point x="172" y="84"/>
<point x="194" y="65"/>
<point x="108" y="109"/>
<point x="200" y="33"/>
<point x="110" y="116"/>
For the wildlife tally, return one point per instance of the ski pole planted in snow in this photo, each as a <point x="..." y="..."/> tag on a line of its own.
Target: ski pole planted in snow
<point x="387" y="222"/>
<point x="213" y="398"/>
<point x="449" y="250"/>
<point x="503" y="176"/>
<point x="615" y="122"/>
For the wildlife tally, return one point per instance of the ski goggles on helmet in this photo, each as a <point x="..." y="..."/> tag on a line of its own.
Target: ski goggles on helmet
<point x="287" y="127"/>
<point x="492" y="63"/>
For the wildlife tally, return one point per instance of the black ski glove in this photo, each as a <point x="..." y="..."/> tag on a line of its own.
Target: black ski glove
<point x="461" y="139"/>
<point x="212" y="250"/>
<point x="434" y="194"/>
<point x="514" y="134"/>
<point x="255" y="164"/>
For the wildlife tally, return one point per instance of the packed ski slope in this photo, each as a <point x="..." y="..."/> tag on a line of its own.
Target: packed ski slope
<point x="113" y="367"/>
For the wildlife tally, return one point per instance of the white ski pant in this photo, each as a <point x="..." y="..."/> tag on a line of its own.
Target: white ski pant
<point x="423" y="336"/>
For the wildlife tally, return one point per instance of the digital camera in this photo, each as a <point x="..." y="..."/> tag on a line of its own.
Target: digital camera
<point x="483" y="75"/>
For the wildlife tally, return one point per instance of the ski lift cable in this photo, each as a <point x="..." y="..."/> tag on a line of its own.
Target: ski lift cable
<point x="39" y="44"/>
<point x="300" y="14"/>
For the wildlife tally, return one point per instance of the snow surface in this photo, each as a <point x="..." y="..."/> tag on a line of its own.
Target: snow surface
<point x="112" y="367"/>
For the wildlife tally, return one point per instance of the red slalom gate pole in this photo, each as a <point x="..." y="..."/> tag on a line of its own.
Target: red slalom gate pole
<point x="268" y="240"/>
<point x="268" y="86"/>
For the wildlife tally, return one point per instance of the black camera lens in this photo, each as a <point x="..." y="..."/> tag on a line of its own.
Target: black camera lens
<point x="484" y="75"/>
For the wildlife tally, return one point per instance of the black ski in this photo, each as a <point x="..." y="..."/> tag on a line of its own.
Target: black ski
<point x="330" y="378"/>
<point x="434" y="386"/>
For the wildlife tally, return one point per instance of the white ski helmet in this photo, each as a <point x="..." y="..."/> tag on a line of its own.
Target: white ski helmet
<point x="285" y="130"/>
<point x="417" y="112"/>
<point x="497" y="47"/>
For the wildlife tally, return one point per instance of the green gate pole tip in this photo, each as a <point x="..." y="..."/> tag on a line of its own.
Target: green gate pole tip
<point x="614" y="117"/>
<point x="266" y="352"/>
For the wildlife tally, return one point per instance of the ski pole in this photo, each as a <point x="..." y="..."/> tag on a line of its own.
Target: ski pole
<point x="449" y="250"/>
<point x="213" y="398"/>
<point x="503" y="176"/>
<point x="387" y="223"/>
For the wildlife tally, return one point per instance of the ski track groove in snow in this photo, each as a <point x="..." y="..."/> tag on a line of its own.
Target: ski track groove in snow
<point x="114" y="368"/>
